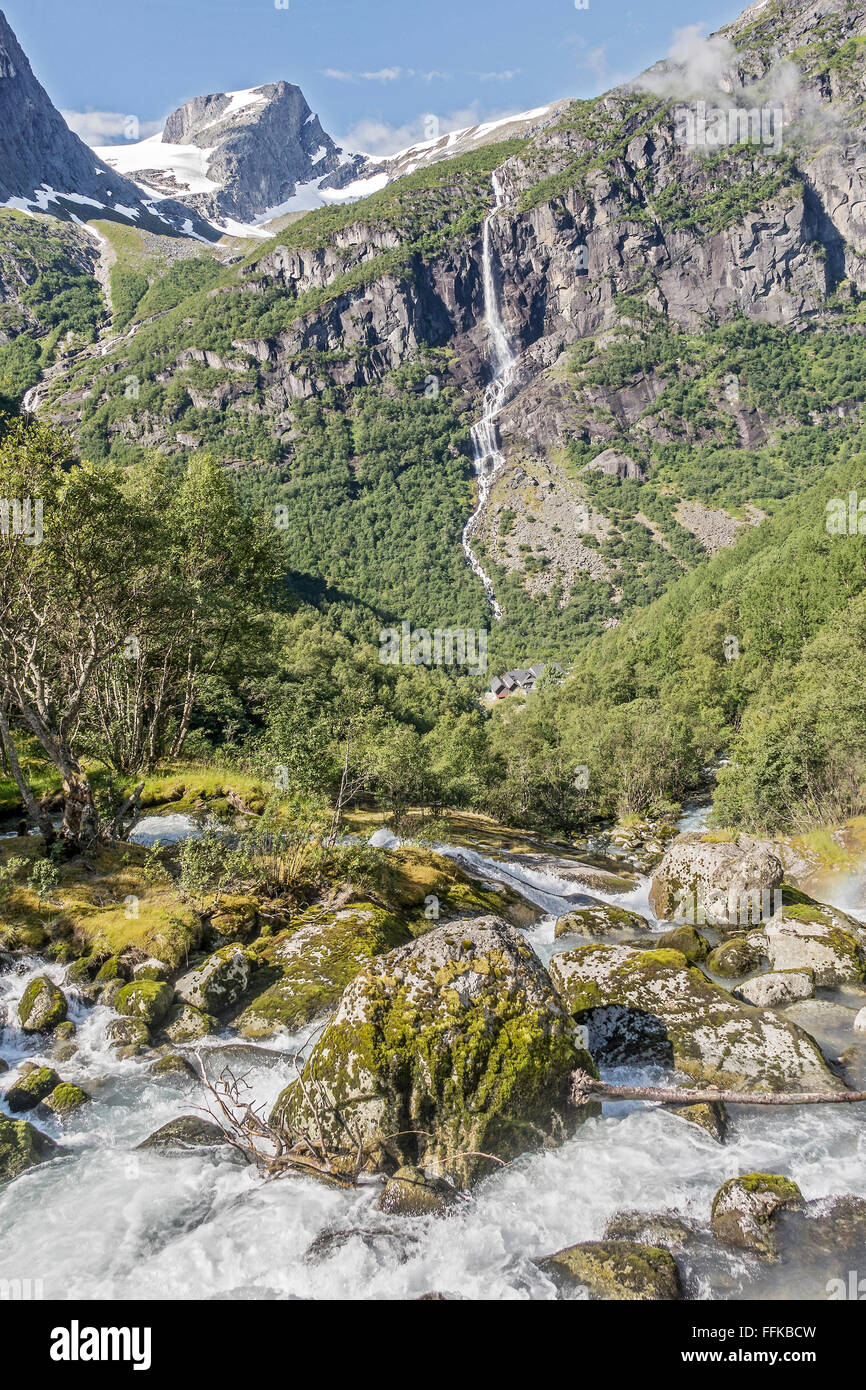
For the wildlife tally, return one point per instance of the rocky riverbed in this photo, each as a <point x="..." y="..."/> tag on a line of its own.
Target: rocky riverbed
<point x="445" y="1046"/>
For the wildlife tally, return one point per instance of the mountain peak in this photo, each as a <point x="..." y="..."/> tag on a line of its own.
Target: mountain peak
<point x="242" y="156"/>
<point x="45" y="167"/>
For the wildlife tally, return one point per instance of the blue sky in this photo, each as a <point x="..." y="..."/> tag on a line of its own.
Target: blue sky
<point x="372" y="69"/>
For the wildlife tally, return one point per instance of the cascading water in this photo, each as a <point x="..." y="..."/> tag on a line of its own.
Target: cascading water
<point x="487" y="458"/>
<point x="107" y="1220"/>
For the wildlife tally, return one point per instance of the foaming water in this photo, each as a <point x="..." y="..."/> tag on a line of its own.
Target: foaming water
<point x="108" y="1221"/>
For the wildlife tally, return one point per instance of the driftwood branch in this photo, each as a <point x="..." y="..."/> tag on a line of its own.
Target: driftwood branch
<point x="585" y="1088"/>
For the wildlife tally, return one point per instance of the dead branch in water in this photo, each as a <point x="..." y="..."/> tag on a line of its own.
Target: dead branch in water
<point x="585" y="1088"/>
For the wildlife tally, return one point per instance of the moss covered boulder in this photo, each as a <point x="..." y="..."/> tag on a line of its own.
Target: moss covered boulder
<point x="727" y="883"/>
<point x="692" y="944"/>
<point x="744" y="1210"/>
<point x="815" y="937"/>
<point x="184" y="1024"/>
<point x="235" y="920"/>
<point x="316" y="962"/>
<point x="652" y="1005"/>
<point x="65" y="1099"/>
<point x="148" y="1001"/>
<point x="22" y="1146"/>
<point x="217" y="984"/>
<point x="616" y="1269"/>
<point x="460" y="1037"/>
<point x="734" y="958"/>
<point x="42" y="1006"/>
<point x="128" y="1036"/>
<point x="601" y="919"/>
<point x="30" y="1088"/>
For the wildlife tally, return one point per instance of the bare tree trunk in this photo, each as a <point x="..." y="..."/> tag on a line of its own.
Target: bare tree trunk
<point x="37" y="814"/>
<point x="585" y="1088"/>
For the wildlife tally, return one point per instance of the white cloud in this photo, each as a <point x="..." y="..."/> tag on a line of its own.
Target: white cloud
<point x="695" y="66"/>
<point x="505" y="76"/>
<point x="380" y="75"/>
<point x="109" y="127"/>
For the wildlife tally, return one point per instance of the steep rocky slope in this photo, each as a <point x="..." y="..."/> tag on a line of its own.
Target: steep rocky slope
<point x="43" y="165"/>
<point x="629" y="264"/>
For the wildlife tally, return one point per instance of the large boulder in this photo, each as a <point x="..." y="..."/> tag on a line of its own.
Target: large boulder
<point x="727" y="884"/>
<point x="219" y="983"/>
<point x="42" y="1006"/>
<point x="616" y="1269"/>
<point x="21" y="1147"/>
<point x="811" y="936"/>
<point x="441" y="1052"/>
<point x="601" y="919"/>
<point x="652" y="1004"/>
<point x="316" y="962"/>
<point x="745" y="1208"/>
<point x="145" y="1001"/>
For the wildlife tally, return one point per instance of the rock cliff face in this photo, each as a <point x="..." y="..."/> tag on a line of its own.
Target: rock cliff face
<point x="43" y="165"/>
<point x="611" y="223"/>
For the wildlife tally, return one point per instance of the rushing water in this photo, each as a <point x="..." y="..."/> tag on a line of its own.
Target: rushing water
<point x="486" y="455"/>
<point x="107" y="1221"/>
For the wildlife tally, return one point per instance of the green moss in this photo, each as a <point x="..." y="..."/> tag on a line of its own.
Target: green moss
<point x="617" y="1270"/>
<point x="21" y="1146"/>
<point x="146" y="1000"/>
<point x="314" y="962"/>
<point x="66" y="1098"/>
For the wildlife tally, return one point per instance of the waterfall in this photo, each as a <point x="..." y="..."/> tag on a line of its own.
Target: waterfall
<point x="487" y="458"/>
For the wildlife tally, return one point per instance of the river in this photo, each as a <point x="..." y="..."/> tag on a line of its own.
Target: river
<point x="106" y="1221"/>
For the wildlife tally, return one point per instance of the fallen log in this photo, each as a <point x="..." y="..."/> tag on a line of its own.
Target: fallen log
<point x="585" y="1088"/>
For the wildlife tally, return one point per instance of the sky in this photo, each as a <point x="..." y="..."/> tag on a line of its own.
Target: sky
<point x="374" y="70"/>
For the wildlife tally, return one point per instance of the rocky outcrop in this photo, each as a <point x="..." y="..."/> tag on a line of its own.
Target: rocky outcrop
<point x="43" y="165"/>
<point x="616" y="1269"/>
<point x="744" y="1210"/>
<point x="726" y="883"/>
<point x="652" y="1005"/>
<point x="316" y="962"/>
<point x="439" y="1053"/>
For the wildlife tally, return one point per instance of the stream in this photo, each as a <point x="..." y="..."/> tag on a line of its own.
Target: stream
<point x="105" y="1221"/>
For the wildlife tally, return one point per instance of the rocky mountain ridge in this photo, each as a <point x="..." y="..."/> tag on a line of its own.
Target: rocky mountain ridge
<point x="45" y="167"/>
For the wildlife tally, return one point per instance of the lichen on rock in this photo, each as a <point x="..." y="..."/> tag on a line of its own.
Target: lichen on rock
<point x="42" y="1006"/>
<point x="441" y="1052"/>
<point x="652" y="1005"/>
<point x="316" y="961"/>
